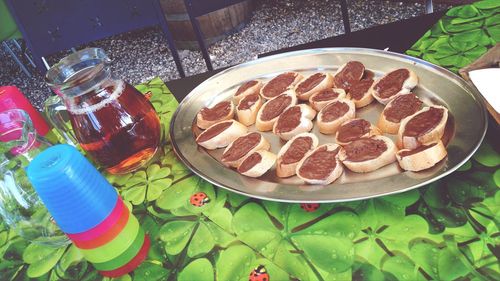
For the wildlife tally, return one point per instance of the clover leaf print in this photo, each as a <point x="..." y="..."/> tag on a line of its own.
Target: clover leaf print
<point x="146" y="185"/>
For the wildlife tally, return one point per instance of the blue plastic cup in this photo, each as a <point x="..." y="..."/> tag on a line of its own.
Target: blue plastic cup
<point x="74" y="192"/>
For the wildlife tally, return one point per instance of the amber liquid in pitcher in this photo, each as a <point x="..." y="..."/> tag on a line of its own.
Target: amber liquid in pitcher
<point x="117" y="126"/>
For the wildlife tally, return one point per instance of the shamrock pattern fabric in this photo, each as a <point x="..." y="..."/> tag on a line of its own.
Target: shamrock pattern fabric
<point x="448" y="230"/>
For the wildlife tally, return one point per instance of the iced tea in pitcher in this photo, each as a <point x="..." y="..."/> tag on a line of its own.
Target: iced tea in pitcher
<point x="112" y="121"/>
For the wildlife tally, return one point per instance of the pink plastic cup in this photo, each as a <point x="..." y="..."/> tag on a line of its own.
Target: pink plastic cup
<point x="12" y="98"/>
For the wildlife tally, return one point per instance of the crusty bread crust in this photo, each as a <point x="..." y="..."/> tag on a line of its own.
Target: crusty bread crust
<point x="248" y="116"/>
<point x="332" y="127"/>
<point x="318" y="105"/>
<point x="288" y="170"/>
<point x="262" y="145"/>
<point x="422" y="160"/>
<point x="267" y="162"/>
<point x="298" y="78"/>
<point x="433" y="136"/>
<point x="385" y="158"/>
<point x="305" y="125"/>
<point x="406" y="88"/>
<point x="364" y="101"/>
<point x="204" y="124"/>
<point x="234" y="131"/>
<point x="385" y="125"/>
<point x="335" y="174"/>
<point x="264" y="126"/>
<point x="326" y="83"/>
<point x="374" y="131"/>
<point x="252" y="90"/>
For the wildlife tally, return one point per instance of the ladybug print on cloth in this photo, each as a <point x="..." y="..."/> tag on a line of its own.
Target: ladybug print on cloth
<point x="309" y="207"/>
<point x="199" y="199"/>
<point x="259" y="274"/>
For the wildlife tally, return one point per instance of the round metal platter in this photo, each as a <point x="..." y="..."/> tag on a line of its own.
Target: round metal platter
<point x="465" y="129"/>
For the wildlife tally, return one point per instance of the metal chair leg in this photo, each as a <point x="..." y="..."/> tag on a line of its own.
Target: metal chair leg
<point x="429" y="7"/>
<point x="16" y="59"/>
<point x="199" y="35"/>
<point x="345" y="16"/>
<point x="23" y="49"/>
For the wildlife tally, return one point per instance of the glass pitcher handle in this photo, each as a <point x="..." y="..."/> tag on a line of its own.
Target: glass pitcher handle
<point x="54" y="109"/>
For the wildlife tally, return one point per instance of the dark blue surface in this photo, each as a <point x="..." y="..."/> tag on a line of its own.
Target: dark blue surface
<point x="74" y="192"/>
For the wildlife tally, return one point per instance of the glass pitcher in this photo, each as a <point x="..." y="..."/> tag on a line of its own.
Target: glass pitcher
<point x="113" y="122"/>
<point x="20" y="207"/>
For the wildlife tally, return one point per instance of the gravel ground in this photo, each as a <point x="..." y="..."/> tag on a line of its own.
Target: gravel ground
<point x="141" y="55"/>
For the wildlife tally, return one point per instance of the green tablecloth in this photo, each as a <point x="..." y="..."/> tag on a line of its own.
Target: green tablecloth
<point x="448" y="230"/>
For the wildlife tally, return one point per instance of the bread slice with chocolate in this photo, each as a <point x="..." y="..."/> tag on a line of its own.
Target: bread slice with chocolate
<point x="321" y="166"/>
<point x="243" y="146"/>
<point x="396" y="110"/>
<point x="368" y="154"/>
<point x="280" y="84"/>
<point x="257" y="163"/>
<point x="247" y="109"/>
<point x="248" y="88"/>
<point x="334" y="114"/>
<point x="424" y="126"/>
<point x="208" y="116"/>
<point x="320" y="99"/>
<point x="272" y="109"/>
<point x="293" y="121"/>
<point x="221" y="134"/>
<point x="359" y="92"/>
<point x="348" y="73"/>
<point x="397" y="82"/>
<point x="354" y="129"/>
<point x="421" y="158"/>
<point x="292" y="152"/>
<point x="313" y="83"/>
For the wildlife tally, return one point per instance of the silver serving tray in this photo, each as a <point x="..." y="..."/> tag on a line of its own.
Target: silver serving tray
<point x="465" y="130"/>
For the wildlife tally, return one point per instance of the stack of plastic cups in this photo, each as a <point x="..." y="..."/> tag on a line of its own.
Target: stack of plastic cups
<point x="88" y="209"/>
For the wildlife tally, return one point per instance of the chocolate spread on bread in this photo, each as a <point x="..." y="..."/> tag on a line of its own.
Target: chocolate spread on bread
<point x="353" y="130"/>
<point x="297" y="149"/>
<point x="216" y="112"/>
<point x="320" y="164"/>
<point x="416" y="150"/>
<point x="214" y="131"/>
<point x="352" y="72"/>
<point x="310" y="83"/>
<point x="326" y="95"/>
<point x="334" y="111"/>
<point x="278" y="84"/>
<point x="289" y="120"/>
<point x="359" y="89"/>
<point x="392" y="83"/>
<point x="245" y="87"/>
<point x="241" y="146"/>
<point x="248" y="101"/>
<point x="249" y="162"/>
<point x="364" y="149"/>
<point x="275" y="107"/>
<point x="401" y="107"/>
<point x="423" y="122"/>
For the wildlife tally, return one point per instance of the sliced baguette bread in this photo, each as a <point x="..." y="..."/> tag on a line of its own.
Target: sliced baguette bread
<point x="248" y="88"/>
<point x="396" y="110"/>
<point x="280" y="84"/>
<point x="355" y="129"/>
<point x="272" y="109"/>
<point x="397" y="82"/>
<point x="334" y="114"/>
<point x="221" y="134"/>
<point x="208" y="116"/>
<point x="359" y="93"/>
<point x="424" y="157"/>
<point x="247" y="109"/>
<point x="321" y="166"/>
<point x="424" y="126"/>
<point x="313" y="83"/>
<point x="257" y="163"/>
<point x="348" y="73"/>
<point x="292" y="152"/>
<point x="293" y="121"/>
<point x="320" y="99"/>
<point x="368" y="154"/>
<point x="243" y="146"/>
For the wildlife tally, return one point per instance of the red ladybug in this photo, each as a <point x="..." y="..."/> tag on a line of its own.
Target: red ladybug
<point x="309" y="207"/>
<point x="259" y="274"/>
<point x="148" y="95"/>
<point x="199" y="199"/>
